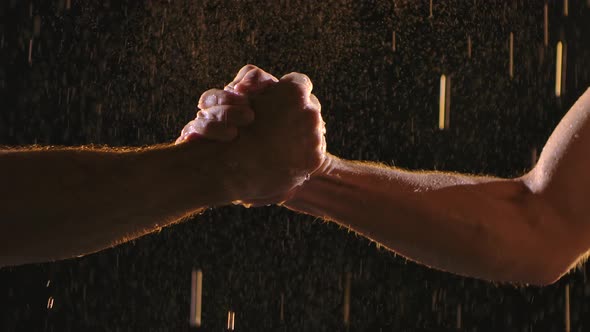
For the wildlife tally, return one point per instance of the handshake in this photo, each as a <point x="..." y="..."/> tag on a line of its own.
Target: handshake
<point x="274" y="133"/>
<point x="260" y="141"/>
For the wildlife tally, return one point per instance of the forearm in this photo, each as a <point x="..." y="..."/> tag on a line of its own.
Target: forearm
<point x="476" y="226"/>
<point x="62" y="203"/>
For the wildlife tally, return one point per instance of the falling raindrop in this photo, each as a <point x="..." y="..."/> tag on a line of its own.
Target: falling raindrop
<point x="196" y="297"/>
<point x="444" y="103"/>
<point x="346" y="299"/>
<point x="546" y="25"/>
<point x="50" y="303"/>
<point x="567" y="308"/>
<point x="560" y="65"/>
<point x="511" y="55"/>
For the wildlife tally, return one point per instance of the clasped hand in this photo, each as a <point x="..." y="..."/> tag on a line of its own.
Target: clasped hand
<point x="274" y="130"/>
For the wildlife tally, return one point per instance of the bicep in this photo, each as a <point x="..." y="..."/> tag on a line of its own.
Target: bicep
<point x="562" y="175"/>
<point x="563" y="170"/>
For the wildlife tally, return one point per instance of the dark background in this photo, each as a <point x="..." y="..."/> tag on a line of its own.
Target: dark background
<point x="129" y="73"/>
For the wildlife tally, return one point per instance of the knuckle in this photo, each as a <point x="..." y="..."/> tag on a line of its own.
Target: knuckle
<point x="301" y="80"/>
<point x="309" y="120"/>
<point x="315" y="118"/>
<point x="256" y="71"/>
<point x="209" y="98"/>
<point x="304" y="78"/>
<point x="249" y="67"/>
<point x="314" y="104"/>
<point x="222" y="97"/>
<point x="315" y="140"/>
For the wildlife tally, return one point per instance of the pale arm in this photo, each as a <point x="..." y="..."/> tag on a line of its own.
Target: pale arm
<point x="62" y="203"/>
<point x="527" y="230"/>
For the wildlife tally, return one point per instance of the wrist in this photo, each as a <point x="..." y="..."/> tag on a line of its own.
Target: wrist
<point x="198" y="171"/>
<point x="329" y="163"/>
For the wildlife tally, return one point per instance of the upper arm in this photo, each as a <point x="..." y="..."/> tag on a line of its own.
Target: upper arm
<point x="561" y="179"/>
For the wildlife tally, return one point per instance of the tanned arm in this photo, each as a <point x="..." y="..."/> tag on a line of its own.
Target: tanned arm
<point x="530" y="229"/>
<point x="61" y="203"/>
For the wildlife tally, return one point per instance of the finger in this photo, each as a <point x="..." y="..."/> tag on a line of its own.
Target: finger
<point x="300" y="80"/>
<point x="314" y="104"/>
<point x="231" y="115"/>
<point x="216" y="131"/>
<point x="215" y="97"/>
<point x="185" y="131"/>
<point x="254" y="81"/>
<point x="189" y="138"/>
<point x="243" y="71"/>
<point x="213" y="130"/>
<point x="188" y="127"/>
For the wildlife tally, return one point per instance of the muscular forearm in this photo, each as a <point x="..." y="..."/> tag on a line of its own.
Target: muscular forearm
<point x="61" y="203"/>
<point x="476" y="226"/>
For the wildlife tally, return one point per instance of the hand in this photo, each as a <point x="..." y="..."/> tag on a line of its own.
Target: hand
<point x="283" y="146"/>
<point x="223" y="111"/>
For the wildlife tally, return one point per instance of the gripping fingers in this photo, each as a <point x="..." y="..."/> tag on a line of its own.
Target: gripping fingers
<point x="302" y="81"/>
<point x="254" y="81"/>
<point x="314" y="104"/>
<point x="239" y="76"/>
<point x="218" y="131"/>
<point x="188" y="138"/>
<point x="215" y="97"/>
<point x="204" y="128"/>
<point x="230" y="116"/>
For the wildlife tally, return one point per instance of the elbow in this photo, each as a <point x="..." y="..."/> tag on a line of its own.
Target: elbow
<point x="526" y="274"/>
<point x="544" y="279"/>
<point x="538" y="274"/>
<point x="550" y="276"/>
<point x="548" y="243"/>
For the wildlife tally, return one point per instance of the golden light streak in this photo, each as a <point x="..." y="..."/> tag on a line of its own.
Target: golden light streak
<point x="50" y="303"/>
<point x="30" y="51"/>
<point x="196" y="297"/>
<point x="546" y="25"/>
<point x="565" y="7"/>
<point x="567" y="308"/>
<point x="282" y="314"/>
<point x="459" y="316"/>
<point x="430" y="8"/>
<point x="511" y="66"/>
<point x="346" y="306"/>
<point x="558" y="67"/>
<point x="231" y="320"/>
<point x="444" y="103"/>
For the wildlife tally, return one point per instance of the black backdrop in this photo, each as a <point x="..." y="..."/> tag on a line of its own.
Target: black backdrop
<point x="128" y="73"/>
